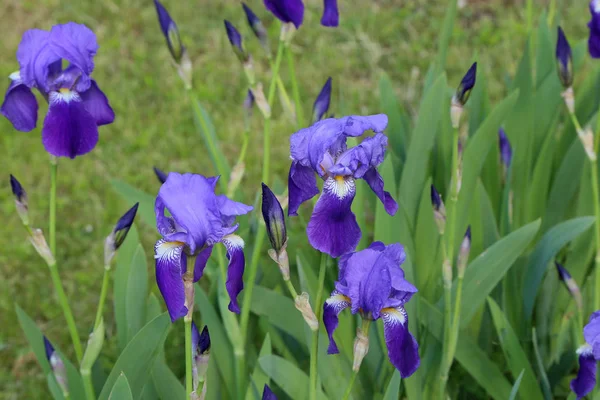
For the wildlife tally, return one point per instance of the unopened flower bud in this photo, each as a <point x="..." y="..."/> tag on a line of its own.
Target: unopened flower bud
<point x="118" y="234"/>
<point x="463" y="253"/>
<point x="571" y="285"/>
<point x="302" y="304"/>
<point x="248" y="104"/>
<point x="258" y="28"/>
<point x="456" y="110"/>
<point x="447" y="273"/>
<point x="261" y="101"/>
<point x="361" y="348"/>
<point x="439" y="211"/>
<point x="160" y="175"/>
<point x="274" y="219"/>
<point x="321" y="105"/>
<point x="564" y="60"/>
<point x="268" y="393"/>
<point x="466" y="85"/>
<point x="20" y="200"/>
<point x="38" y="241"/>
<point x="236" y="41"/>
<point x="170" y="31"/>
<point x="200" y="354"/>
<point x="505" y="151"/>
<point x="57" y="365"/>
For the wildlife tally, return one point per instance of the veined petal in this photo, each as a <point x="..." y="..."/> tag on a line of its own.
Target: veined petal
<point x="302" y="186"/>
<point x="403" y="349"/>
<point x="331" y="309"/>
<point x="69" y="129"/>
<point x="591" y="333"/>
<point x="96" y="103"/>
<point x="20" y="106"/>
<point x="35" y="56"/>
<point x="235" y="270"/>
<point x="375" y="182"/>
<point x="586" y="376"/>
<point x="332" y="228"/>
<point x="170" y="261"/>
<point x="200" y="264"/>
<point x="331" y="16"/>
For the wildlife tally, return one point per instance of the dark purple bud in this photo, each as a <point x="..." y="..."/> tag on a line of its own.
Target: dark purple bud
<point x="57" y="365"/>
<point x="169" y="29"/>
<point x="274" y="219"/>
<point x="436" y="199"/>
<point x="162" y="177"/>
<point x="249" y="102"/>
<point x="17" y="189"/>
<point x="563" y="274"/>
<point x="466" y="85"/>
<point x="236" y="41"/>
<point x="468" y="234"/>
<point x="123" y="225"/>
<point x="321" y="105"/>
<point x="200" y="354"/>
<point x="49" y="348"/>
<point x="505" y="148"/>
<point x="564" y="59"/>
<point x="287" y="10"/>
<point x="257" y="27"/>
<point x="331" y="16"/>
<point x="463" y="253"/>
<point x="594" y="25"/>
<point x="570" y="283"/>
<point x="268" y="393"/>
<point x="439" y="211"/>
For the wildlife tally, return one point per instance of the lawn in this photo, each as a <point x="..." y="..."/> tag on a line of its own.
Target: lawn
<point x="154" y="127"/>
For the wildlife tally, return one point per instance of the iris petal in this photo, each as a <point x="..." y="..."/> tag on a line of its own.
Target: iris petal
<point x="235" y="270"/>
<point x="331" y="309"/>
<point x="96" y="103"/>
<point x="403" y="349"/>
<point x="586" y="377"/>
<point x="20" y="106"/>
<point x="375" y="182"/>
<point x="302" y="186"/>
<point x="200" y="264"/>
<point x="169" y="276"/>
<point x="331" y="15"/>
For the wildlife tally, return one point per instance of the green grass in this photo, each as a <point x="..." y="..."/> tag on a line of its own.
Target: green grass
<point x="154" y="125"/>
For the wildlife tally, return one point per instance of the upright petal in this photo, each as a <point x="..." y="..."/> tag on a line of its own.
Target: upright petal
<point x="331" y="310"/>
<point x="331" y="15"/>
<point x="169" y="276"/>
<point x="332" y="228"/>
<point x="403" y="349"/>
<point x="586" y="377"/>
<point x="96" y="103"/>
<point x="591" y="333"/>
<point x="20" y="106"/>
<point x="235" y="270"/>
<point x="287" y="10"/>
<point x="302" y="186"/>
<point x="69" y="129"/>
<point x="35" y="56"/>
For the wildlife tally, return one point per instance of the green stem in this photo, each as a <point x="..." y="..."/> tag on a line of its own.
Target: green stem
<point x="53" y="185"/>
<point x="350" y="385"/>
<point x="88" y="385"/>
<point x="295" y="88"/>
<point x="366" y="323"/>
<point x="188" y="355"/>
<point x="314" y="347"/>
<point x="103" y="292"/>
<point x="291" y="288"/>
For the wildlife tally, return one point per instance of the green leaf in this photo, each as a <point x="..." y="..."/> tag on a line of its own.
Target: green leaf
<point x="137" y="359"/>
<point x="423" y="136"/>
<point x="166" y="383"/>
<point x="515" y="389"/>
<point x="280" y="310"/>
<point x="55" y="390"/>
<point x="554" y="240"/>
<point x="393" y="389"/>
<point x="540" y="364"/>
<point x="446" y="34"/>
<point x="397" y="122"/>
<point x="121" y="389"/>
<point x="259" y="378"/>
<point x="514" y="354"/>
<point x="137" y="293"/>
<point x="474" y="360"/>
<point x="384" y="229"/>
<point x="427" y="244"/>
<point x="121" y="275"/>
<point x="94" y="346"/>
<point x="288" y="377"/>
<point x="133" y="195"/>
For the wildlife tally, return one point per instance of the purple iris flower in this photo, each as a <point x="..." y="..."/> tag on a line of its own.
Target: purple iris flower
<point x="198" y="219"/>
<point x="293" y="11"/>
<point x="505" y="148"/>
<point x="589" y="355"/>
<point x="322" y="148"/>
<point x="76" y="105"/>
<point x="594" y="25"/>
<point x="372" y="282"/>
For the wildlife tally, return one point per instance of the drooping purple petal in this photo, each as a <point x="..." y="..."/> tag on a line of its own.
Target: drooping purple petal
<point x="332" y="228"/>
<point x="333" y="306"/>
<point x="591" y="333"/>
<point x="359" y="159"/>
<point x="331" y="15"/>
<point x="170" y="259"/>
<point x="585" y="381"/>
<point x="69" y="129"/>
<point x="375" y="182"/>
<point x="200" y="263"/>
<point x="403" y="349"/>
<point x="302" y="186"/>
<point x="594" y="25"/>
<point x="20" y="106"/>
<point x="96" y="103"/>
<point x="287" y="10"/>
<point x="235" y="270"/>
<point x="268" y="393"/>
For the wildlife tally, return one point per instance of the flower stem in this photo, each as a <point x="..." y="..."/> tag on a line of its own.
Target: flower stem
<point x="350" y="385"/>
<point x="103" y="292"/>
<point x="188" y="354"/>
<point x="295" y="88"/>
<point x="291" y="288"/>
<point x="88" y="385"/>
<point x="53" y="185"/>
<point x="314" y="347"/>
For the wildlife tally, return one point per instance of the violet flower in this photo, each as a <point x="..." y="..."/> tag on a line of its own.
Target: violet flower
<point x="589" y="355"/>
<point x="564" y="59"/>
<point x="505" y="149"/>
<point x="76" y="105"/>
<point x="198" y="219"/>
<point x="321" y="105"/>
<point x="293" y="11"/>
<point x="594" y="25"/>
<point x="321" y="148"/>
<point x="331" y="16"/>
<point x="372" y="283"/>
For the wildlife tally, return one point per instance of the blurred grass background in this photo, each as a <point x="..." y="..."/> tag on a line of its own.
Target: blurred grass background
<point x="154" y="126"/>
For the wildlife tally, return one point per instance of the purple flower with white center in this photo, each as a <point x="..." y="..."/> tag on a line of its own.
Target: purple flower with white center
<point x="321" y="105"/>
<point x="268" y="393"/>
<point x="76" y="105"/>
<point x="331" y="16"/>
<point x="466" y="85"/>
<point x="57" y="365"/>
<point x="371" y="282"/>
<point x="589" y="355"/>
<point x="236" y="41"/>
<point x="564" y="59"/>
<point x="505" y="148"/>
<point x="594" y="25"/>
<point x="170" y="31"/>
<point x="198" y="219"/>
<point x="321" y="148"/>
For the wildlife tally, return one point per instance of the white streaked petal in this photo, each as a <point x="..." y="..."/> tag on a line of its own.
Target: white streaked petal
<point x="165" y="251"/>
<point x="340" y="186"/>
<point x="64" y="96"/>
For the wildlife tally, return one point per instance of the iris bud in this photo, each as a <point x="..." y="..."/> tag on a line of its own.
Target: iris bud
<point x="20" y="200"/>
<point x="571" y="285"/>
<point x="439" y="211"/>
<point x="170" y="31"/>
<point x="564" y="60"/>
<point x="321" y="105"/>
<point x="274" y="219"/>
<point x="463" y="253"/>
<point x="462" y="95"/>
<point x="302" y="304"/>
<point x="236" y="41"/>
<point x="258" y="28"/>
<point x="38" y="241"/>
<point x="118" y="235"/>
<point x="200" y="355"/>
<point x="160" y="175"/>
<point x="268" y="393"/>
<point x="57" y="365"/>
